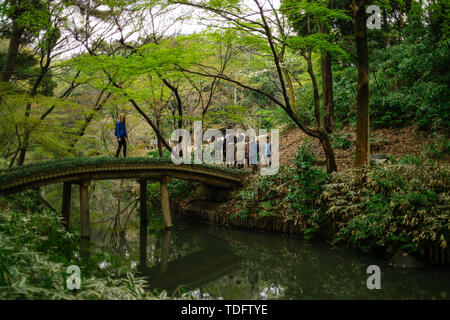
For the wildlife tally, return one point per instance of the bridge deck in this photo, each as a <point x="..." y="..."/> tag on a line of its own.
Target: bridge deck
<point x="85" y="169"/>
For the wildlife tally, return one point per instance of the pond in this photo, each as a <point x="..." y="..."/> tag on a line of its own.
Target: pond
<point x="204" y="262"/>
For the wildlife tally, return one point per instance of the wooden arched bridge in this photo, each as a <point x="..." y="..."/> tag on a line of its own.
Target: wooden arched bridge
<point x="81" y="171"/>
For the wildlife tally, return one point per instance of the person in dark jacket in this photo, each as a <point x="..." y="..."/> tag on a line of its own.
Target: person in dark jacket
<point x="121" y="134"/>
<point x="253" y="149"/>
<point x="225" y="151"/>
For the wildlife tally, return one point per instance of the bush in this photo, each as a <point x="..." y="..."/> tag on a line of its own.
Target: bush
<point x="390" y="207"/>
<point x="340" y="142"/>
<point x="438" y="149"/>
<point x="290" y="194"/>
<point x="154" y="154"/>
<point x="35" y="251"/>
<point x="409" y="83"/>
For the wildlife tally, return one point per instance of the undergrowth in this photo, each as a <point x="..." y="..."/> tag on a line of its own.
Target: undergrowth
<point x="400" y="205"/>
<point x="35" y="251"/>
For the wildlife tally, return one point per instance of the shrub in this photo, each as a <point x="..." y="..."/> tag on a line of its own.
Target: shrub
<point x="438" y="149"/>
<point x="392" y="206"/>
<point x="35" y="251"/>
<point x="341" y="142"/>
<point x="290" y="194"/>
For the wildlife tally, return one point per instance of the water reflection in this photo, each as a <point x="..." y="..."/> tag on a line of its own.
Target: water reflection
<point x="219" y="263"/>
<point x="212" y="263"/>
<point x="213" y="260"/>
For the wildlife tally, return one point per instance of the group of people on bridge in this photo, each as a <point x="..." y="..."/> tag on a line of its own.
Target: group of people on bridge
<point x="249" y="156"/>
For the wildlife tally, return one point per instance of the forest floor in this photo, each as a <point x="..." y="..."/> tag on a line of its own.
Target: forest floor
<point x="398" y="142"/>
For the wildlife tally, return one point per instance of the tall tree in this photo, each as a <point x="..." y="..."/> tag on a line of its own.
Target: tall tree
<point x="362" y="98"/>
<point x="327" y="86"/>
<point x="25" y="16"/>
<point x="312" y="20"/>
<point x="269" y="26"/>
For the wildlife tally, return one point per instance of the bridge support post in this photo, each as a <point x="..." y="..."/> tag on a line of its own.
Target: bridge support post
<point x="66" y="201"/>
<point x="165" y="252"/>
<point x="143" y="201"/>
<point x="165" y="205"/>
<point x="143" y="224"/>
<point x="84" y="209"/>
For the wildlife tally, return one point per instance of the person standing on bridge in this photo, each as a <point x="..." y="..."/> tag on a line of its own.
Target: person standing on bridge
<point x="268" y="152"/>
<point x="121" y="134"/>
<point x="253" y="148"/>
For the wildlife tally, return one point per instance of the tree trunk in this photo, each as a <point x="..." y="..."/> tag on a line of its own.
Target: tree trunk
<point x="362" y="128"/>
<point x="328" y="149"/>
<point x="327" y="93"/>
<point x="13" y="49"/>
<point x="322" y="133"/>
<point x="291" y="89"/>
<point x="26" y="137"/>
<point x="178" y="99"/>
<point x="158" y="141"/>
<point x="315" y="90"/>
<point x="327" y="88"/>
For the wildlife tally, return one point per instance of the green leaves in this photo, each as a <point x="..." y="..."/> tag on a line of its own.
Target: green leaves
<point x="392" y="206"/>
<point x="298" y="10"/>
<point x="35" y="251"/>
<point x="289" y="195"/>
<point x="317" y="41"/>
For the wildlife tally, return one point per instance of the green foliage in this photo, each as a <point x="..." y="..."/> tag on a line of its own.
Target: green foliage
<point x="308" y="185"/>
<point x="408" y="68"/>
<point x="3" y="164"/>
<point x="179" y="189"/>
<point x="260" y="196"/>
<point x="438" y="149"/>
<point x="344" y="90"/>
<point x="408" y="159"/>
<point x="35" y="251"/>
<point x="304" y="104"/>
<point x="298" y="12"/>
<point x="392" y="206"/>
<point x="155" y="154"/>
<point x="290" y="194"/>
<point x="25" y="69"/>
<point x="403" y="92"/>
<point x="340" y="141"/>
<point x="386" y="207"/>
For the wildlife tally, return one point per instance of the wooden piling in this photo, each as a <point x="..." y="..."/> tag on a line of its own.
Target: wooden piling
<point x="66" y="202"/>
<point x="84" y="210"/>
<point x="165" y="252"/>
<point x="143" y="224"/>
<point x="143" y="201"/>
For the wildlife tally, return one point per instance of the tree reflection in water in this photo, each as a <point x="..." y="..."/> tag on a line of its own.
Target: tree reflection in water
<point x="216" y="263"/>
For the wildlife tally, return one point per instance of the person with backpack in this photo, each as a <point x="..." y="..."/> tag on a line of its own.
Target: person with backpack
<point x="121" y="134"/>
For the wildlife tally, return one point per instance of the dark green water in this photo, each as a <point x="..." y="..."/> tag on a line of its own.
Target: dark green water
<point x="204" y="262"/>
<point x="210" y="263"/>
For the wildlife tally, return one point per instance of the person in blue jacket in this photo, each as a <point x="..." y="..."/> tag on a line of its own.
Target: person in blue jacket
<point x="121" y="134"/>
